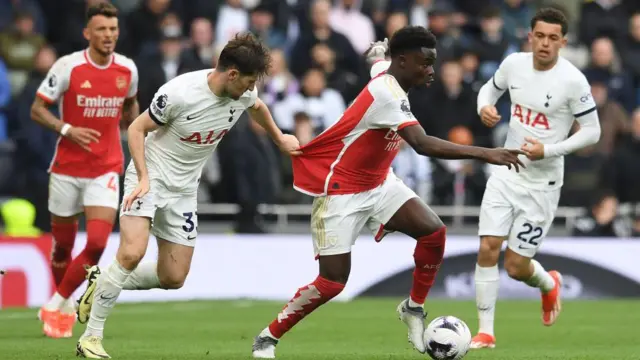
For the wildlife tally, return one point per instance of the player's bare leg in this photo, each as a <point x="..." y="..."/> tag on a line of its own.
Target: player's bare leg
<point x="417" y="220"/>
<point x="530" y="272"/>
<point x="487" y="281"/>
<point x="334" y="273"/>
<point x="134" y="238"/>
<point x="64" y="230"/>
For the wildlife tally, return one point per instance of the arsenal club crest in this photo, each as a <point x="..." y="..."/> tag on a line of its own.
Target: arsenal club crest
<point x="121" y="82"/>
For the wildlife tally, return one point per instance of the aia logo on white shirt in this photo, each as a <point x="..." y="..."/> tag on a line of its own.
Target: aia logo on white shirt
<point x="531" y="118"/>
<point x="206" y="138"/>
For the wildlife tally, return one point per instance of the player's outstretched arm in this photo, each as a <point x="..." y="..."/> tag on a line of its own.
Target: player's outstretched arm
<point x="286" y="143"/>
<point x="136" y="133"/>
<point x="431" y="146"/>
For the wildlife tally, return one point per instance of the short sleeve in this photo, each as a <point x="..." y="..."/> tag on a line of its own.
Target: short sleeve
<point x="500" y="79"/>
<point x="252" y="97"/>
<point x="164" y="105"/>
<point x="379" y="67"/>
<point x="392" y="110"/>
<point x="56" y="82"/>
<point x="133" y="85"/>
<point x="581" y="102"/>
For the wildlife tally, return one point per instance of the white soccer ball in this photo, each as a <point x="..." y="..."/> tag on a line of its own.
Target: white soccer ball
<point x="447" y="338"/>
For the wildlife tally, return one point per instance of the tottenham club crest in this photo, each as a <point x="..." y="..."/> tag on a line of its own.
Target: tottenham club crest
<point x="404" y="106"/>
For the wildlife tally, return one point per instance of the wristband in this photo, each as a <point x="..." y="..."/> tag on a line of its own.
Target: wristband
<point x="65" y="129"/>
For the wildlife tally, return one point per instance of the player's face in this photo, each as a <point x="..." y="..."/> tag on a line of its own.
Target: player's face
<point x="419" y="66"/>
<point x="238" y="84"/>
<point x="102" y="33"/>
<point x="546" y="41"/>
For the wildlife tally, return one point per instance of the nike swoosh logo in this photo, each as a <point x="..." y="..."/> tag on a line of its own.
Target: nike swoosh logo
<point x="523" y="247"/>
<point x="191" y="117"/>
<point x="190" y="237"/>
<point x="514" y="88"/>
<point x="87" y="297"/>
<point x="106" y="298"/>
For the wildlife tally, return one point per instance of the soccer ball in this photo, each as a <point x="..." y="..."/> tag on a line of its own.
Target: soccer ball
<point x="447" y="338"/>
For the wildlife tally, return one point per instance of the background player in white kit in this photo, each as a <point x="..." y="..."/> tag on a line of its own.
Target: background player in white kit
<point x="187" y="119"/>
<point x="547" y="94"/>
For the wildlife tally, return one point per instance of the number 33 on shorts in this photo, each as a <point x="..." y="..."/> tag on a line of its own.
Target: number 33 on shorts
<point x="526" y="237"/>
<point x="190" y="224"/>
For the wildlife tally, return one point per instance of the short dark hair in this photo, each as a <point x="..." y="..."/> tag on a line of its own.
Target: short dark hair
<point x="551" y="16"/>
<point x="247" y="54"/>
<point x="104" y="8"/>
<point x="411" y="38"/>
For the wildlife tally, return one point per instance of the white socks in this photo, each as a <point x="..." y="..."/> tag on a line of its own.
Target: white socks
<point x="144" y="277"/>
<point x="414" y="304"/>
<point x="108" y="289"/>
<point x="487" y="281"/>
<point x="540" y="278"/>
<point x="57" y="302"/>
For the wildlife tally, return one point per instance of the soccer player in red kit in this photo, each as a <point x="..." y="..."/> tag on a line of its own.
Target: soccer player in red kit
<point x="94" y="89"/>
<point x="347" y="170"/>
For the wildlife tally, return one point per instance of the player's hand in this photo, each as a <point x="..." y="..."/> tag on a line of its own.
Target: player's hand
<point x="534" y="148"/>
<point x="289" y="144"/>
<point x="83" y="136"/>
<point x="141" y="190"/>
<point x="506" y="157"/>
<point x="489" y="115"/>
<point x="377" y="51"/>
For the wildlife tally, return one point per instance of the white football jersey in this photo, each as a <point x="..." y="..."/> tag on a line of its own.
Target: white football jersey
<point x="193" y="121"/>
<point x="544" y="105"/>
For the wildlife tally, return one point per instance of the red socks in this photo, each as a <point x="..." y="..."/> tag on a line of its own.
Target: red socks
<point x="306" y="300"/>
<point x="98" y="232"/>
<point x="64" y="235"/>
<point x="427" y="256"/>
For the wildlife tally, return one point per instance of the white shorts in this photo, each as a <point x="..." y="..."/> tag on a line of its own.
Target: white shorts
<point x="173" y="215"/>
<point x="69" y="195"/>
<point x="336" y="220"/>
<point x="521" y="214"/>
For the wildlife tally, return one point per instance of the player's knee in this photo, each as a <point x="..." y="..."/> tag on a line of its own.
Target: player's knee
<point x="172" y="280"/>
<point x="129" y="257"/>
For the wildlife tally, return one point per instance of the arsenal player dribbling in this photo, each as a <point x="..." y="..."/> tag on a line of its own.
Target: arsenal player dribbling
<point x="95" y="89"/>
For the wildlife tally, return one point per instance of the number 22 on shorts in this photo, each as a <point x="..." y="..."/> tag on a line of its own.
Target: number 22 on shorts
<point x="529" y="234"/>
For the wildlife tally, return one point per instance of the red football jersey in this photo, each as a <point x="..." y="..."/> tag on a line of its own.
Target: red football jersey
<point x="90" y="96"/>
<point x="355" y="154"/>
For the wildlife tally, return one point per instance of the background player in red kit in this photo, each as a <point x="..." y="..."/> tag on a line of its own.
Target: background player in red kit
<point x="347" y="170"/>
<point x="94" y="89"/>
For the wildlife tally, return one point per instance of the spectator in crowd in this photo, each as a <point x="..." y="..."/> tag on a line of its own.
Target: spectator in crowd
<point x="142" y="25"/>
<point x="614" y="121"/>
<point x="324" y="105"/>
<point x="232" y="19"/>
<point x="201" y="42"/>
<point x="346" y="18"/>
<point x="414" y="170"/>
<point x="604" y="59"/>
<point x="262" y="26"/>
<point x="346" y="83"/>
<point x="602" y="18"/>
<point x="491" y="45"/>
<point x="395" y="21"/>
<point x="18" y="48"/>
<point x="516" y="15"/>
<point x="322" y="33"/>
<point x="35" y="144"/>
<point x="280" y="83"/>
<point x="626" y="167"/>
<point x="631" y="51"/>
<point x="601" y="220"/>
<point x="8" y="8"/>
<point x="585" y="173"/>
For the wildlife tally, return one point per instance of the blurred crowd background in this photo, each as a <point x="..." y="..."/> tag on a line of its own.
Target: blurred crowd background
<point x="318" y="69"/>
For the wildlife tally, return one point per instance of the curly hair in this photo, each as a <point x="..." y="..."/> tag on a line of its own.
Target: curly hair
<point x="411" y="38"/>
<point x="551" y="16"/>
<point x="247" y="54"/>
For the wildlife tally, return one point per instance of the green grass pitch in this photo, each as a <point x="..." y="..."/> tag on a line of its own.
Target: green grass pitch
<point x="362" y="329"/>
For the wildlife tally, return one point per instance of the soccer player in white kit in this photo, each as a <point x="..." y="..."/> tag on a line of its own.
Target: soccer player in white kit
<point x="186" y="120"/>
<point x="547" y="94"/>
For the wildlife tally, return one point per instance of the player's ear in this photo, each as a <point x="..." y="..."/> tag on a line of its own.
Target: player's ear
<point x="563" y="43"/>
<point x="86" y="33"/>
<point x="233" y="75"/>
<point x="530" y="37"/>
